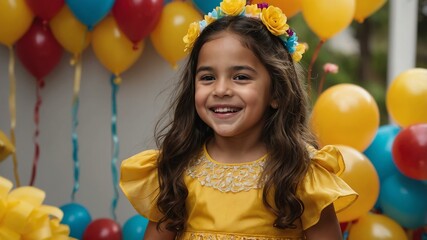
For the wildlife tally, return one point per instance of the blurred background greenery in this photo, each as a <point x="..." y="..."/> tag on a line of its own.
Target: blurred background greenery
<point x="363" y="59"/>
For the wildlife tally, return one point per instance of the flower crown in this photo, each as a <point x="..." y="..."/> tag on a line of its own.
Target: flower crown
<point x="272" y="17"/>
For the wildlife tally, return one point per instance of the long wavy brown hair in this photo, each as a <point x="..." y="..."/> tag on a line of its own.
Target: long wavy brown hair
<point x="286" y="134"/>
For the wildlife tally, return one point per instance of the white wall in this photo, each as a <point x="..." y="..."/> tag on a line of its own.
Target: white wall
<point x="141" y="99"/>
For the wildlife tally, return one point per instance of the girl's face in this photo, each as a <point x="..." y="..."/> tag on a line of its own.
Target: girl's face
<point x="232" y="88"/>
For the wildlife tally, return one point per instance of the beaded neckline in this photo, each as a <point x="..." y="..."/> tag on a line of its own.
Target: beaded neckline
<point x="227" y="177"/>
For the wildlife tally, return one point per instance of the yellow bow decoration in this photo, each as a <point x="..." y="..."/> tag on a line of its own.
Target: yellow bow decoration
<point x="6" y="147"/>
<point x="23" y="217"/>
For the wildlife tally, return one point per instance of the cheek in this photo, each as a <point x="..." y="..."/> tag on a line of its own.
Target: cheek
<point x="199" y="99"/>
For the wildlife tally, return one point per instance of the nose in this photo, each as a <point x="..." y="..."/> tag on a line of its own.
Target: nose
<point x="222" y="88"/>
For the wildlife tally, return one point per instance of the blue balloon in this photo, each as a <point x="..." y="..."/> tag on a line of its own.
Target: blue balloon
<point x="134" y="228"/>
<point x="206" y="6"/>
<point x="404" y="200"/>
<point x="90" y="12"/>
<point x="166" y="2"/>
<point x="77" y="218"/>
<point x="380" y="151"/>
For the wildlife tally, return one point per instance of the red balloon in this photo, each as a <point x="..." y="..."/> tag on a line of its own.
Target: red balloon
<point x="38" y="50"/>
<point x="137" y="18"/>
<point x="410" y="151"/>
<point x="45" y="9"/>
<point x="103" y="229"/>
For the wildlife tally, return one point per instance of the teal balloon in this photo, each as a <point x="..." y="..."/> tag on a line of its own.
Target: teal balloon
<point x="380" y="151"/>
<point x="404" y="200"/>
<point x="166" y="2"/>
<point x="134" y="228"/>
<point x="90" y="12"/>
<point x="206" y="6"/>
<point x="77" y="218"/>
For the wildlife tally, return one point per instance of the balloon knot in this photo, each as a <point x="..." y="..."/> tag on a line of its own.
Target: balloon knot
<point x="41" y="83"/>
<point x="117" y="80"/>
<point x="135" y="46"/>
<point x="73" y="61"/>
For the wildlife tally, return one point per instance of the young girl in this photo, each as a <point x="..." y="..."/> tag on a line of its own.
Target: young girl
<point x="237" y="160"/>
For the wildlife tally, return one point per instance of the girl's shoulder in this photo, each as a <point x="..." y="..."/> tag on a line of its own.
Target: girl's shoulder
<point x="139" y="182"/>
<point x="141" y="159"/>
<point x="322" y="186"/>
<point x="329" y="157"/>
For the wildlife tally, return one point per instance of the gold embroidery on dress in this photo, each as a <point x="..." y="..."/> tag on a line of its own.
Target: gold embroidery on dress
<point x="227" y="178"/>
<point x="222" y="236"/>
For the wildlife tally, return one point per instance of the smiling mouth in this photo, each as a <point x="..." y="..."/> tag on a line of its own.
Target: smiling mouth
<point x="225" y="109"/>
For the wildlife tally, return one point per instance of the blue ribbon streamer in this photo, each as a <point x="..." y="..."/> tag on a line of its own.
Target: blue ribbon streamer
<point x="115" y="141"/>
<point x="75" y="141"/>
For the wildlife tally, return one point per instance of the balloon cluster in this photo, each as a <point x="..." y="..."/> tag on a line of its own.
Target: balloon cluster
<point x="78" y="218"/>
<point x="386" y="165"/>
<point x="22" y="215"/>
<point x="42" y="29"/>
<point x="117" y="28"/>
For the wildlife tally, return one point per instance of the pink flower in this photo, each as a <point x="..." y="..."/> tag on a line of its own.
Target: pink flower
<point x="330" y="68"/>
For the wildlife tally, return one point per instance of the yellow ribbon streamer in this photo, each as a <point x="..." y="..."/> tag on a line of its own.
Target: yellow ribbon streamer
<point x="23" y="217"/>
<point x="77" y="75"/>
<point x="12" y="108"/>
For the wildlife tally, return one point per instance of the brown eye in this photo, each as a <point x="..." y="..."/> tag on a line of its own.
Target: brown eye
<point x="241" y="77"/>
<point x="207" y="78"/>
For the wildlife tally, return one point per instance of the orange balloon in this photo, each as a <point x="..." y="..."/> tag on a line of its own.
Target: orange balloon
<point x="361" y="176"/>
<point x="365" y="8"/>
<point x="289" y="7"/>
<point x="171" y="28"/>
<point x="376" y="227"/>
<point x="406" y="98"/>
<point x="15" y="19"/>
<point x="69" y="31"/>
<point x="113" y="49"/>
<point x="328" y="17"/>
<point x="345" y="114"/>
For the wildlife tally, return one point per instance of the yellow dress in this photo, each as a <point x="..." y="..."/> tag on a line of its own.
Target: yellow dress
<point x="225" y="200"/>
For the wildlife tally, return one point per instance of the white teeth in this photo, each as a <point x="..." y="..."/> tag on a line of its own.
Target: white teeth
<point x="225" y="110"/>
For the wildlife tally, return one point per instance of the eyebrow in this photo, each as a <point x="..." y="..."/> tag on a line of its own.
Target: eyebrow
<point x="234" y="68"/>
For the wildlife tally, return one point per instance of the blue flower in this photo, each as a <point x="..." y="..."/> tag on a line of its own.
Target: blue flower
<point x="290" y="42"/>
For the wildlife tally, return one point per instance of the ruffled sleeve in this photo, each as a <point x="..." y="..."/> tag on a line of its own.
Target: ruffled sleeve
<point x="139" y="182"/>
<point x="322" y="185"/>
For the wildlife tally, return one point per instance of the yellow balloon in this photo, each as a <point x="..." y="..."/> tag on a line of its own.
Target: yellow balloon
<point x="328" y="17"/>
<point x="289" y="7"/>
<point x="361" y="175"/>
<point x="365" y="8"/>
<point x="171" y="28"/>
<point x="406" y="98"/>
<point x="113" y="49"/>
<point x="376" y="227"/>
<point x="15" y="19"/>
<point x="345" y="114"/>
<point x="69" y="31"/>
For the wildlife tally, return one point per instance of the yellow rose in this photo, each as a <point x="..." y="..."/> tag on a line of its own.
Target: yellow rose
<point x="232" y="7"/>
<point x="252" y="10"/>
<point x="299" y="51"/>
<point x="192" y="34"/>
<point x="275" y="20"/>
